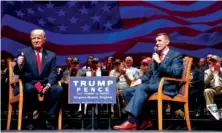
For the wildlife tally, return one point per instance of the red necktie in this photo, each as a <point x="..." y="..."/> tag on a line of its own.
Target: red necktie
<point x="161" y="56"/>
<point x="38" y="60"/>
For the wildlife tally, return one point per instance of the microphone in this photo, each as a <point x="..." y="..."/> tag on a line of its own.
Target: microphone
<point x="155" y="49"/>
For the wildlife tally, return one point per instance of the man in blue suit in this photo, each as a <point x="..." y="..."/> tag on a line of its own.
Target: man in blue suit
<point x="37" y="69"/>
<point x="167" y="63"/>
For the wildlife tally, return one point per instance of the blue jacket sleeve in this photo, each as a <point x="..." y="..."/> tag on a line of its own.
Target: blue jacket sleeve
<point x="52" y="75"/>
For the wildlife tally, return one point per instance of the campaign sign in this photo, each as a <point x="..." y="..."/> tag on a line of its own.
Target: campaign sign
<point x="92" y="90"/>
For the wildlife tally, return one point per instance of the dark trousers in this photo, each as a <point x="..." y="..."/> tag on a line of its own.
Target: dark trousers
<point x="52" y="99"/>
<point x="136" y="96"/>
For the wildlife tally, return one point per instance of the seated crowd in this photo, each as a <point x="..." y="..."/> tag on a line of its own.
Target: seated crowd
<point x="134" y="84"/>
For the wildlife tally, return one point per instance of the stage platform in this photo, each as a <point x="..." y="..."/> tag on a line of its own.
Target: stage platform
<point x="71" y="122"/>
<point x="168" y="124"/>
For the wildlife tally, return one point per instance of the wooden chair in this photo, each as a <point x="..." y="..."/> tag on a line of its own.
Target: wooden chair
<point x="181" y="97"/>
<point x="19" y="99"/>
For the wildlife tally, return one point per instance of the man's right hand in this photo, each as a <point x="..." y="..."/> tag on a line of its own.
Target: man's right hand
<point x="217" y="67"/>
<point x="137" y="82"/>
<point x="20" y="60"/>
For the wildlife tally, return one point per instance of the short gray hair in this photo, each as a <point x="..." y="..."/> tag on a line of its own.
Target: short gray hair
<point x="129" y="57"/>
<point x="163" y="34"/>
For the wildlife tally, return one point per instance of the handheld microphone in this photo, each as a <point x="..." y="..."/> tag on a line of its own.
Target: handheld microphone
<point x="155" y="49"/>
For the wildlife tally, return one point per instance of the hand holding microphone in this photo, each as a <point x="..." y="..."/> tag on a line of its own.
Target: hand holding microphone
<point x="155" y="56"/>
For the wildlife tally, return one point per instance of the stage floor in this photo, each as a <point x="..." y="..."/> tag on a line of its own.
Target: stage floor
<point x="198" y="125"/>
<point x="101" y="131"/>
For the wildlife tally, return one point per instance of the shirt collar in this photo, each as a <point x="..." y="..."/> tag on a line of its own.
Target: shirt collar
<point x="40" y="50"/>
<point x="165" y="52"/>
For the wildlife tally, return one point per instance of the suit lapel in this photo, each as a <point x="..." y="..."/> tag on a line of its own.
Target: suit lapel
<point x="167" y="56"/>
<point x="44" y="58"/>
<point x="34" y="61"/>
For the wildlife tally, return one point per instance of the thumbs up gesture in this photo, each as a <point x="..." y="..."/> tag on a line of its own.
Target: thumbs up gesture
<point x="20" y="59"/>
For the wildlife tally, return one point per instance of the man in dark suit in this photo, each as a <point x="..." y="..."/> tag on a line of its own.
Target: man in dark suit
<point x="37" y="69"/>
<point x="166" y="64"/>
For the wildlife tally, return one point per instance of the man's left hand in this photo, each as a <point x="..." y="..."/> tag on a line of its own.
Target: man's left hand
<point x="123" y="71"/>
<point x="156" y="58"/>
<point x="45" y="89"/>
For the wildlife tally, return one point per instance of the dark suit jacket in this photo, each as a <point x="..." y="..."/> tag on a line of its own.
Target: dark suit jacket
<point x="197" y="82"/>
<point x="29" y="72"/>
<point x="171" y="66"/>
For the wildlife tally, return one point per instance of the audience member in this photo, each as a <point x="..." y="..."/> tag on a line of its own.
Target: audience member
<point x="213" y="84"/>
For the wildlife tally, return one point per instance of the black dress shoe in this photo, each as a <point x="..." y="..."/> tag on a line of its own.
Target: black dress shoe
<point x="49" y="126"/>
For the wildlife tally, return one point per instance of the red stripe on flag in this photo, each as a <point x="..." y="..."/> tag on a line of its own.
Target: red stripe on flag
<point x="210" y="9"/>
<point x="129" y="23"/>
<point x="182" y="2"/>
<point x="121" y="46"/>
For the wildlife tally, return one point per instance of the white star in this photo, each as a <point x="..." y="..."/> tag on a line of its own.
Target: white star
<point x="30" y="11"/>
<point x="62" y="27"/>
<point x="20" y="13"/>
<point x="49" y="5"/>
<point x="105" y="8"/>
<point x="71" y="3"/>
<point x="51" y="19"/>
<point x="85" y="28"/>
<point x="40" y="9"/>
<point x="61" y="13"/>
<point x="83" y="10"/>
<point x="108" y="26"/>
<point x="95" y="18"/>
<point x="41" y="22"/>
<point x="73" y="20"/>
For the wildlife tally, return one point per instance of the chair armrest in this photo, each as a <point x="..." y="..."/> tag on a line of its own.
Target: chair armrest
<point x="160" y="89"/>
<point x="174" y="79"/>
<point x="14" y="81"/>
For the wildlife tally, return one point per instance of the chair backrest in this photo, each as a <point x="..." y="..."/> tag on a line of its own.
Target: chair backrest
<point x="184" y="87"/>
<point x="12" y="77"/>
<point x="10" y="69"/>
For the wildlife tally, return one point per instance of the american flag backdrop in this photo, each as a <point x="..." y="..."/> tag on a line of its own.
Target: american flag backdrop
<point x="112" y="28"/>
